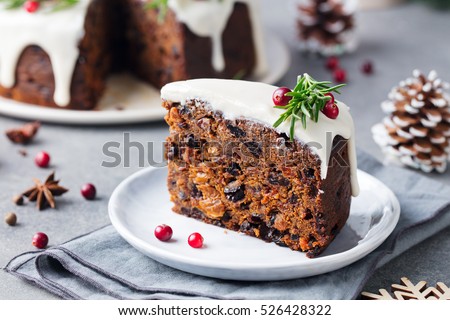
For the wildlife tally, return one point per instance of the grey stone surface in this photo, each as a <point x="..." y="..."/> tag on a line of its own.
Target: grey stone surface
<point x="397" y="40"/>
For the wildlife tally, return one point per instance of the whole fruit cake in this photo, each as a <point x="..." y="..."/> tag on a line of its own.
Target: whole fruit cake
<point x="58" y="53"/>
<point x="282" y="173"/>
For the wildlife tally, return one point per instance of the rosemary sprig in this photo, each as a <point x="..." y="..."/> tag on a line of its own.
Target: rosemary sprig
<point x="308" y="99"/>
<point x="161" y="5"/>
<point x="13" y="4"/>
<point x="63" y="4"/>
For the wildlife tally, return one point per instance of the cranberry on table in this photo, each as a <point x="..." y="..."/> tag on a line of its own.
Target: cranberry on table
<point x="42" y="159"/>
<point x="367" y="67"/>
<point x="31" y="6"/>
<point x="195" y="240"/>
<point x="279" y="96"/>
<point x="88" y="191"/>
<point x="40" y="240"/>
<point x="340" y="75"/>
<point x="163" y="232"/>
<point x="332" y="63"/>
<point x="331" y="110"/>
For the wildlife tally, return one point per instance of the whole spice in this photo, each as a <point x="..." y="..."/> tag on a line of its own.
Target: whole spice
<point x="18" y="200"/>
<point x="24" y="134"/>
<point x="11" y="219"/>
<point x="43" y="193"/>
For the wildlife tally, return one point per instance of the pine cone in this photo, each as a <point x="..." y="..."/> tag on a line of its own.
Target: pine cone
<point x="323" y="25"/>
<point x="416" y="130"/>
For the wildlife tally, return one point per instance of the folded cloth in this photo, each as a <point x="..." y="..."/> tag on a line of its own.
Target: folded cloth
<point x="101" y="265"/>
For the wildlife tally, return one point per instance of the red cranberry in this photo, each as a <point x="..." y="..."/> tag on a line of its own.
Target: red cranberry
<point x="329" y="94"/>
<point x="31" y="6"/>
<point x="163" y="232"/>
<point x="195" y="240"/>
<point x="367" y="67"/>
<point x="340" y="75"/>
<point x="42" y="159"/>
<point x="279" y="96"/>
<point x="332" y="63"/>
<point x="40" y="240"/>
<point x="331" y="110"/>
<point x="88" y="191"/>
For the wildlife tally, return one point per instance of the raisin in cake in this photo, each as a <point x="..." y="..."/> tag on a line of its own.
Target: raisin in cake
<point x="62" y="58"/>
<point x="230" y="167"/>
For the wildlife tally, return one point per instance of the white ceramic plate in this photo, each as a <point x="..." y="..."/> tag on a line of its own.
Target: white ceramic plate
<point x="128" y="100"/>
<point x="141" y="202"/>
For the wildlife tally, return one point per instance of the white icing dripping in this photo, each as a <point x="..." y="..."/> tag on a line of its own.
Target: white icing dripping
<point x="253" y="100"/>
<point x="57" y="33"/>
<point x="210" y="18"/>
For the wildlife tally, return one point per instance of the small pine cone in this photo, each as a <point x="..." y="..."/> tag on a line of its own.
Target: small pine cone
<point x="416" y="130"/>
<point x="324" y="25"/>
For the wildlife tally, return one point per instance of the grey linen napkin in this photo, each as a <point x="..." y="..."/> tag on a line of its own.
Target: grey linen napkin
<point x="101" y="265"/>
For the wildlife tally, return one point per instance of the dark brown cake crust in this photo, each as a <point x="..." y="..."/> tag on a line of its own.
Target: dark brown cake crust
<point x="247" y="177"/>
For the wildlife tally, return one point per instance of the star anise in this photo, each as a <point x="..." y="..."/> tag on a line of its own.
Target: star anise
<point x="43" y="193"/>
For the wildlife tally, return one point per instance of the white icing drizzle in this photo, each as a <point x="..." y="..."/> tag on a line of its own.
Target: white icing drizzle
<point x="57" y="33"/>
<point x="210" y="18"/>
<point x="252" y="100"/>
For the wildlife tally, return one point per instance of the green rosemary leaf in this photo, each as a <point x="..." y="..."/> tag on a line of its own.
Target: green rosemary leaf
<point x="324" y="98"/>
<point x="161" y="5"/>
<point x="316" y="113"/>
<point x="336" y="88"/>
<point x="304" y="121"/>
<point x="292" y="129"/>
<point x="323" y="83"/>
<point x="281" y="107"/>
<point x="240" y="74"/>
<point x="296" y="94"/>
<point x="13" y="4"/>
<point x="299" y="83"/>
<point x="305" y="110"/>
<point x="278" y="122"/>
<point x="297" y="116"/>
<point x="64" y="4"/>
